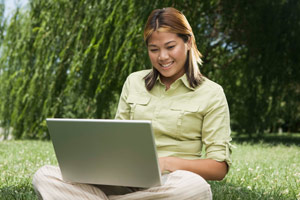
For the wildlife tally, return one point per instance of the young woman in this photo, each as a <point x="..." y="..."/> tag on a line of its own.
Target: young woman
<point x="187" y="111"/>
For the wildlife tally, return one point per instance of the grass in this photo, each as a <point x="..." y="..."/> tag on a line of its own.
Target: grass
<point x="18" y="162"/>
<point x="261" y="170"/>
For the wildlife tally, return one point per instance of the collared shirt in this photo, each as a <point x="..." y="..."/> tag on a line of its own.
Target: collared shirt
<point x="183" y="118"/>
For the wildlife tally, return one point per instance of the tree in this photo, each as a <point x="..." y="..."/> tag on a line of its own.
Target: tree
<point x="267" y="72"/>
<point x="64" y="58"/>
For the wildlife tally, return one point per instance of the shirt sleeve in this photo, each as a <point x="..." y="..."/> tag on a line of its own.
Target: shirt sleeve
<point x="123" y="110"/>
<point x="216" y="128"/>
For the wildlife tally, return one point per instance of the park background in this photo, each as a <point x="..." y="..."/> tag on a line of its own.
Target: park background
<point x="69" y="59"/>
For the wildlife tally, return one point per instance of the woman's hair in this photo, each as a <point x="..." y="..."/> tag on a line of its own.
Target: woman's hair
<point x="173" y="21"/>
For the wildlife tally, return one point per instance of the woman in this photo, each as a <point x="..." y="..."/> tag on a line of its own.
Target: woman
<point x="187" y="110"/>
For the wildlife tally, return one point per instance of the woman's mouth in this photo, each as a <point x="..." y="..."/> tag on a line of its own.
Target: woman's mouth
<point x="167" y="65"/>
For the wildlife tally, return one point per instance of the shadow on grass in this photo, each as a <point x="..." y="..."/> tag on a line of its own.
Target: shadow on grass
<point x="24" y="192"/>
<point x="227" y="191"/>
<point x="273" y="139"/>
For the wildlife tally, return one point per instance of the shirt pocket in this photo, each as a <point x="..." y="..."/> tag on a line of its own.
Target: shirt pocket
<point x="189" y="120"/>
<point x="138" y="106"/>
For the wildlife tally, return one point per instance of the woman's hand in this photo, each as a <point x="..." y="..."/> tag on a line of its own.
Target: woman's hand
<point x="162" y="164"/>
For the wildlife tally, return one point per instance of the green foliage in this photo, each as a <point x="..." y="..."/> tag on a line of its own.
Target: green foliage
<point x="67" y="59"/>
<point x="254" y="57"/>
<point x="260" y="171"/>
<point x="2" y="7"/>
<point x="264" y="81"/>
<point x="63" y="58"/>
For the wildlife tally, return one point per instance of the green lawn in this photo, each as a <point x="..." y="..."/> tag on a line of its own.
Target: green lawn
<point x="261" y="170"/>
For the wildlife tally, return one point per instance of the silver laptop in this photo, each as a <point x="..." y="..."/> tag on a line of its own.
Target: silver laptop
<point x="108" y="152"/>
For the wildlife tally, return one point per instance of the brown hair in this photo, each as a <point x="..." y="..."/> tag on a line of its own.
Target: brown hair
<point x="173" y="21"/>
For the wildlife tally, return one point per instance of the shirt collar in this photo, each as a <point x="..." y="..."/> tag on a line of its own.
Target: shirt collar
<point x="186" y="82"/>
<point x="183" y="79"/>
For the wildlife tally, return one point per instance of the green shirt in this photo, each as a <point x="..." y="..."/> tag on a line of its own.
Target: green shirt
<point x="183" y="118"/>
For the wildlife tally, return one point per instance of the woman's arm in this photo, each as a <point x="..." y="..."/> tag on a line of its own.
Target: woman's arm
<point x="207" y="168"/>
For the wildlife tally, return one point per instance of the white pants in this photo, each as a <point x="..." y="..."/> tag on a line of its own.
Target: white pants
<point x="181" y="185"/>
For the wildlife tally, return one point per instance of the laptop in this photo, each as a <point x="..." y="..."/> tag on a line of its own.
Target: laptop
<point x="106" y="152"/>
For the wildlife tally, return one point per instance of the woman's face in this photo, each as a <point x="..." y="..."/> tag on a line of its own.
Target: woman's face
<point x="168" y="54"/>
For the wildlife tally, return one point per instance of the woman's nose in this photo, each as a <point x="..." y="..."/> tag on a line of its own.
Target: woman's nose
<point x="163" y="55"/>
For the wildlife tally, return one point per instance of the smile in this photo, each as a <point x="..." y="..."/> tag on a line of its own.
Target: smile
<point x="167" y="65"/>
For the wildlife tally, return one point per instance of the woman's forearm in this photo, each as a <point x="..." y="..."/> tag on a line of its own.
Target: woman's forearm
<point x="207" y="168"/>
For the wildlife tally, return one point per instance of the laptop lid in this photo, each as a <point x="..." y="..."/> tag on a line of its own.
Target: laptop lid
<point x="108" y="152"/>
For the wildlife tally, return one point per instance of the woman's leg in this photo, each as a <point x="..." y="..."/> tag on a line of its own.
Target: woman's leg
<point x="48" y="184"/>
<point x="179" y="185"/>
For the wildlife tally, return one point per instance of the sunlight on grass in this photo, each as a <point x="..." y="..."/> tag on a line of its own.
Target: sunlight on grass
<point x="18" y="162"/>
<point x="259" y="171"/>
<point x="263" y="171"/>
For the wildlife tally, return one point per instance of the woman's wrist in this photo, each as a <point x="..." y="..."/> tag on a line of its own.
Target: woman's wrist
<point x="171" y="163"/>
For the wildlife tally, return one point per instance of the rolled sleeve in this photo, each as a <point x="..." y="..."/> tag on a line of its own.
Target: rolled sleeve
<point x="216" y="128"/>
<point x="219" y="151"/>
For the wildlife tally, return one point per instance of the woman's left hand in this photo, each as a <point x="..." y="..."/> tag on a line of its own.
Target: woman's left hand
<point x="162" y="162"/>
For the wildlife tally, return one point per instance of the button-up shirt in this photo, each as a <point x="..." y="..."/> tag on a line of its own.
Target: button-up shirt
<point x="184" y="119"/>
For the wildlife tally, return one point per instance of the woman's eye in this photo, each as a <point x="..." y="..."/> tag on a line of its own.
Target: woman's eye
<point x="170" y="47"/>
<point x="153" y="50"/>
